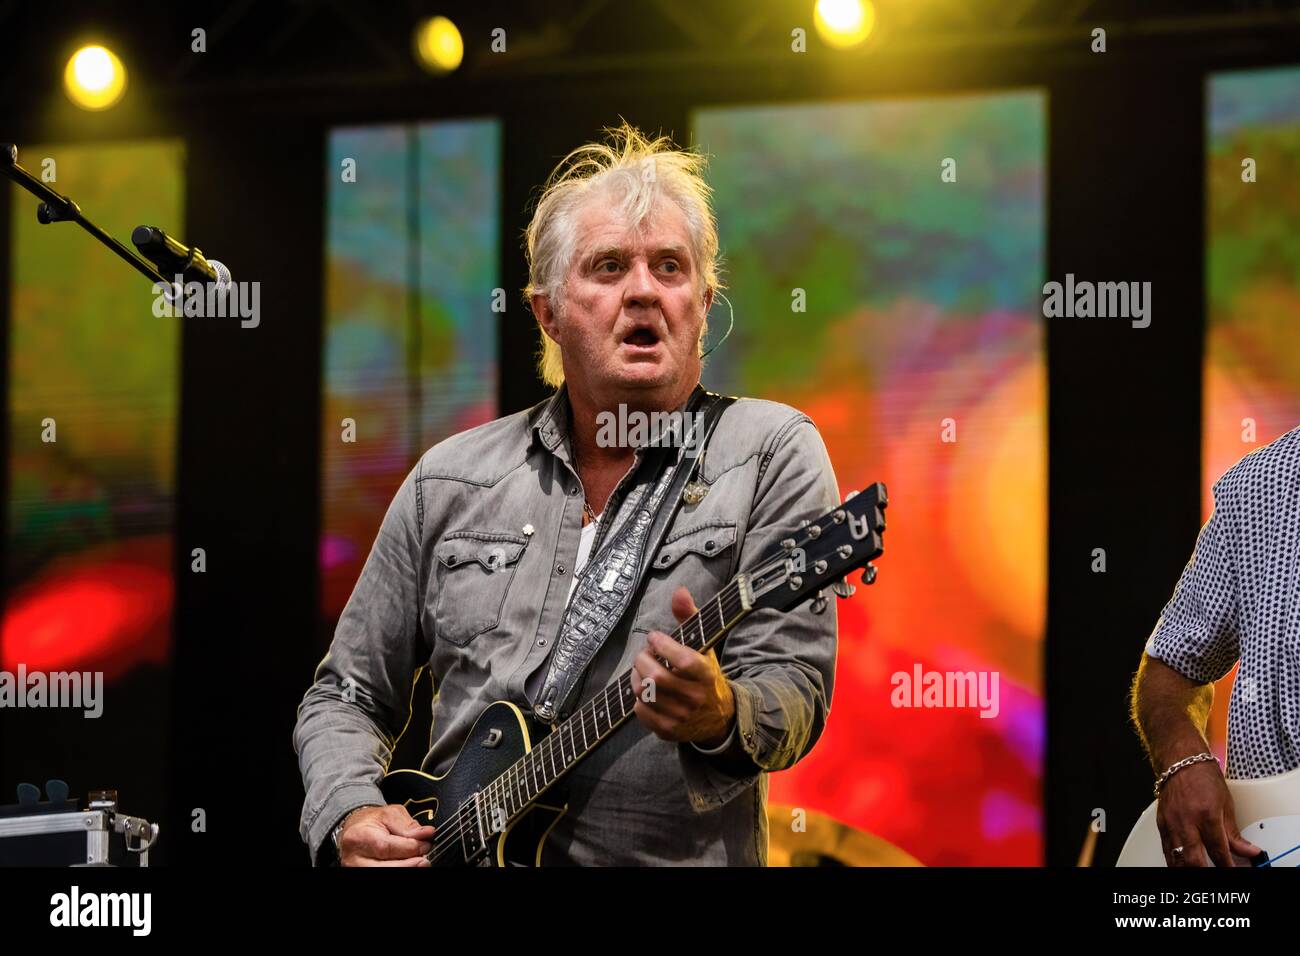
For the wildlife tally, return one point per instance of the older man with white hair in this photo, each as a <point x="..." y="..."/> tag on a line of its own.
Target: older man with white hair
<point x="490" y="535"/>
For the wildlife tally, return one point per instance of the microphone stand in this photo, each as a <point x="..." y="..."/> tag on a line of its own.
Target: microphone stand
<point x="58" y="208"/>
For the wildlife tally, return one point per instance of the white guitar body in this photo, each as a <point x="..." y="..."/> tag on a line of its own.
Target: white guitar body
<point x="1268" y="812"/>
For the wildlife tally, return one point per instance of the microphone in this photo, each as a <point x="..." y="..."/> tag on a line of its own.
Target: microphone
<point x="173" y="258"/>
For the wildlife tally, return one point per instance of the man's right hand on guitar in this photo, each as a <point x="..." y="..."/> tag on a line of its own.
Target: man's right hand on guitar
<point x="1196" y="813"/>
<point x="383" y="836"/>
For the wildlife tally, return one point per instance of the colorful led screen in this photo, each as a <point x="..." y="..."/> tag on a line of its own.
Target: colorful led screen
<point x="885" y="261"/>
<point x="410" y="332"/>
<point x="93" y="395"/>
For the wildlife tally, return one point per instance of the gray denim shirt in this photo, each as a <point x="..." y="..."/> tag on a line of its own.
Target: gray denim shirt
<point x="424" y="599"/>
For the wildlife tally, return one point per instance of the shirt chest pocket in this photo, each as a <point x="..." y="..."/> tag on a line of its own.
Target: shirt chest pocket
<point x="474" y="572"/>
<point x="699" y="557"/>
<point x="704" y="548"/>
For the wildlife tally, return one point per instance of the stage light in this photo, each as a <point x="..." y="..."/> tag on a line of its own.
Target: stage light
<point x="844" y="23"/>
<point x="438" y="45"/>
<point x="94" y="78"/>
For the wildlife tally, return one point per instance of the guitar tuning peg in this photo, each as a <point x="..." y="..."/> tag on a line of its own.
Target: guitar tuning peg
<point x="869" y="574"/>
<point x="28" y="794"/>
<point x="842" y="588"/>
<point x="819" y="602"/>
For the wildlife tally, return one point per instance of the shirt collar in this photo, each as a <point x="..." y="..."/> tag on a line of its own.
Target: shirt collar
<point x="548" y="422"/>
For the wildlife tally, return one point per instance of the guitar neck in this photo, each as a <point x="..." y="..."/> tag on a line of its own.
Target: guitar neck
<point x="598" y="718"/>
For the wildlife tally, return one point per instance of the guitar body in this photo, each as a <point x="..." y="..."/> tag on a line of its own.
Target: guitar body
<point x="1268" y="812"/>
<point x="501" y="735"/>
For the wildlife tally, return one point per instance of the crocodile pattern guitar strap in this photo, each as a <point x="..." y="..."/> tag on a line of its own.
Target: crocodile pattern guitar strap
<point x="612" y="576"/>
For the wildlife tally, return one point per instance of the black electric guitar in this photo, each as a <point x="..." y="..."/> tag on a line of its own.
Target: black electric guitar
<point x="491" y="809"/>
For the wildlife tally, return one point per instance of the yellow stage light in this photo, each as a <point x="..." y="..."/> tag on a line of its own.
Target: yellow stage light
<point x="844" y="23"/>
<point x="438" y="45"/>
<point x="94" y="78"/>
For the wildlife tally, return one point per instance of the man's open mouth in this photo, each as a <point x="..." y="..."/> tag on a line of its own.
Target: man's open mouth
<point x="642" y="337"/>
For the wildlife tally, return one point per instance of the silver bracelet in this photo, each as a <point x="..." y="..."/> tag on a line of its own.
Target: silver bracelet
<point x="338" y="827"/>
<point x="1185" y="762"/>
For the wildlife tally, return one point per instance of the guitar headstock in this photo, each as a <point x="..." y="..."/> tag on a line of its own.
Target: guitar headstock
<point x="821" y="553"/>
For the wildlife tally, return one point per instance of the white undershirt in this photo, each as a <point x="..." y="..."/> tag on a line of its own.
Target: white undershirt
<point x="584" y="552"/>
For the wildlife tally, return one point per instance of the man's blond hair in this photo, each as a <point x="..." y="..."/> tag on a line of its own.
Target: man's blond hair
<point x="635" y="172"/>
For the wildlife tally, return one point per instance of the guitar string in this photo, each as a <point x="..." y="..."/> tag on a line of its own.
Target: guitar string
<point x="728" y="601"/>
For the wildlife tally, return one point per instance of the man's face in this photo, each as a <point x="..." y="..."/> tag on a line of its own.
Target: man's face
<point x="633" y="306"/>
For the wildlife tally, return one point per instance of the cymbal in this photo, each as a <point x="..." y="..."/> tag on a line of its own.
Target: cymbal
<point x="825" y="841"/>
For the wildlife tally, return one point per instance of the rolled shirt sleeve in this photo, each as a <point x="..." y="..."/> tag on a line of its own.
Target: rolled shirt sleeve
<point x="1197" y="633"/>
<point x="359" y="703"/>
<point x="780" y="666"/>
<point x="720" y="747"/>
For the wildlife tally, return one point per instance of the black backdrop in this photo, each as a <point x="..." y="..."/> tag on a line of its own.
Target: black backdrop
<point x="1125" y="200"/>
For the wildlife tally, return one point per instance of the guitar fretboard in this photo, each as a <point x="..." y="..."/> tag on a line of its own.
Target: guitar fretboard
<point x="531" y="775"/>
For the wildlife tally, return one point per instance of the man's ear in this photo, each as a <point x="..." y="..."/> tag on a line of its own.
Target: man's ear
<point x="545" y="316"/>
<point x="708" y="300"/>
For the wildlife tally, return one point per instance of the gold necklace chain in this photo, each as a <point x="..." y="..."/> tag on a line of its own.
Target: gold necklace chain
<point x="588" y="512"/>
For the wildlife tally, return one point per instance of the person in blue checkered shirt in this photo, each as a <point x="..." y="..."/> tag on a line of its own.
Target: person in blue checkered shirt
<point x="1238" y="599"/>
